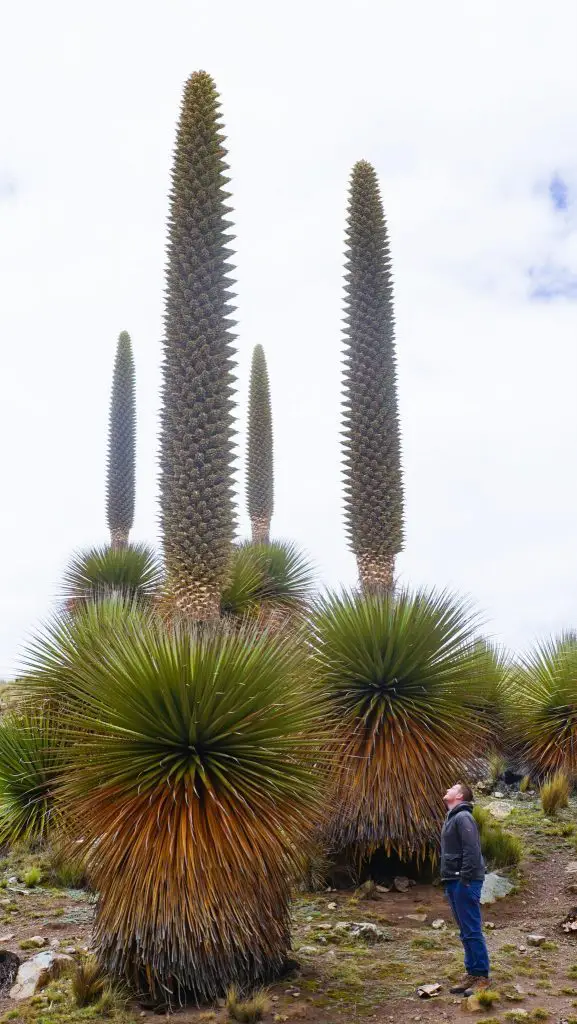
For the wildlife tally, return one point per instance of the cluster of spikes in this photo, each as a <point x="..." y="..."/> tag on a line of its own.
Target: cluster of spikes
<point x="121" y="446"/>
<point x="197" y="443"/>
<point x="260" y="491"/>
<point x="371" y="435"/>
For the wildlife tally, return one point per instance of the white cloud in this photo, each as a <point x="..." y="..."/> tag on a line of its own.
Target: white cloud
<point x="466" y="111"/>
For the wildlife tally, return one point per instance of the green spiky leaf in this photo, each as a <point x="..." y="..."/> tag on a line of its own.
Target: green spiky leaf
<point x="194" y="777"/>
<point x="277" y="575"/>
<point x="543" y="707"/>
<point x="32" y="753"/>
<point x="132" y="572"/>
<point x="121" y="445"/>
<point x="401" y="673"/>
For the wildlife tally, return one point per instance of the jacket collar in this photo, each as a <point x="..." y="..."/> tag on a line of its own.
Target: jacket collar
<point x="460" y="807"/>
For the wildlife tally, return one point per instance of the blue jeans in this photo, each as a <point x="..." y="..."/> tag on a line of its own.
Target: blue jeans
<point x="465" y="903"/>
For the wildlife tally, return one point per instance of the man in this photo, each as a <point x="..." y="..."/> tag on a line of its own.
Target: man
<point x="462" y="873"/>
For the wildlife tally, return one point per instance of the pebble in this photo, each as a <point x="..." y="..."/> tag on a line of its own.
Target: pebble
<point x="439" y="923"/>
<point x="331" y="906"/>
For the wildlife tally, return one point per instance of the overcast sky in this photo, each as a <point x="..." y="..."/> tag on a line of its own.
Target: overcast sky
<point x="468" y="110"/>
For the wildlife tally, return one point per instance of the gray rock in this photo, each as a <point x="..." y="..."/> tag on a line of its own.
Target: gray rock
<point x="401" y="884"/>
<point x="438" y="923"/>
<point x="495" y="887"/>
<point x="365" y="931"/>
<point x="571" y="868"/>
<point x="500" y="810"/>
<point x="419" y="918"/>
<point x="308" y="950"/>
<point x="35" y="973"/>
<point x="499" y="796"/>
<point x="536" y="940"/>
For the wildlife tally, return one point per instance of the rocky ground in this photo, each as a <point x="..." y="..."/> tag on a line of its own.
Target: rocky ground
<point x="373" y="973"/>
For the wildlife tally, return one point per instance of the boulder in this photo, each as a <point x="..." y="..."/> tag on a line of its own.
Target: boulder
<point x="500" y="809"/>
<point x="495" y="887"/>
<point x="35" y="973"/>
<point x="401" y="884"/>
<point x="536" y="940"/>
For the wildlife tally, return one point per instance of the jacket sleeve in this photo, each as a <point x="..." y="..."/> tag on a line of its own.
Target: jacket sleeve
<point x="470" y="846"/>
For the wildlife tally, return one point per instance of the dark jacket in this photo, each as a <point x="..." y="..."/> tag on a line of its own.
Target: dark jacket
<point x="461" y="856"/>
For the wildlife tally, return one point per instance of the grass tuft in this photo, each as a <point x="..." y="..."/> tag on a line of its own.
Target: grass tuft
<point x="555" y="794"/>
<point x="500" y="849"/>
<point x="248" y="1010"/>
<point x="88" y="983"/>
<point x="487" y="997"/>
<point x="32" y="877"/>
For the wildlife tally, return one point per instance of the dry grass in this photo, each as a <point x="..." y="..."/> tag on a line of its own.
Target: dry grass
<point x="555" y="794"/>
<point x="249" y="1010"/>
<point x="88" y="983"/>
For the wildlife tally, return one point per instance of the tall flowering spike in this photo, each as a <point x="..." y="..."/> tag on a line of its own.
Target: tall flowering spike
<point x="197" y="511"/>
<point x="260" y="479"/>
<point x="121" y="446"/>
<point x="371" y="442"/>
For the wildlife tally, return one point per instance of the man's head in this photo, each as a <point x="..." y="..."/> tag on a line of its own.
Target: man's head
<point x="460" y="793"/>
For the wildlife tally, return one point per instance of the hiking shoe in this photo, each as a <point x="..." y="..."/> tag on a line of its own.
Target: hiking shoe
<point x="481" y="983"/>
<point x="478" y="983"/>
<point x="465" y="986"/>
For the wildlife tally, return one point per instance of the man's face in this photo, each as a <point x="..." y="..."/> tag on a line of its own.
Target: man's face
<point x="453" y="796"/>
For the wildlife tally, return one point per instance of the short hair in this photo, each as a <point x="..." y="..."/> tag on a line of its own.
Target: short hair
<point x="467" y="792"/>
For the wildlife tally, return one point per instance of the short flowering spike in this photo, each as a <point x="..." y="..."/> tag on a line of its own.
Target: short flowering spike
<point x="121" y="446"/>
<point x="260" y="480"/>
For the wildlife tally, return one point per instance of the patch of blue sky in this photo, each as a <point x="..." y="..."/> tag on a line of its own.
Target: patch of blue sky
<point x="549" y="282"/>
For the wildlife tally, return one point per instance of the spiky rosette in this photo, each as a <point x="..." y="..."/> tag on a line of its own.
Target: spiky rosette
<point x="371" y="441"/>
<point x="32" y="753"/>
<point x="260" y="485"/>
<point x="194" y="778"/>
<point x="275" y="576"/>
<point x="133" y="572"/>
<point x="543" y="707"/>
<point x="121" y="445"/>
<point x="197" y="437"/>
<point x="400" y="673"/>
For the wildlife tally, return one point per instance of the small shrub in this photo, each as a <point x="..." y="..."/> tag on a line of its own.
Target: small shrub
<point x="32" y="877"/>
<point x="65" y="871"/>
<point x="487" y="997"/>
<point x="249" y="1010"/>
<point x="525" y="784"/>
<point x="555" y="794"/>
<point x="572" y="972"/>
<point x="488" y="1020"/>
<point x="88" y="982"/>
<point x="500" y="849"/>
<point x="112" y="1000"/>
<point x="540" y="1014"/>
